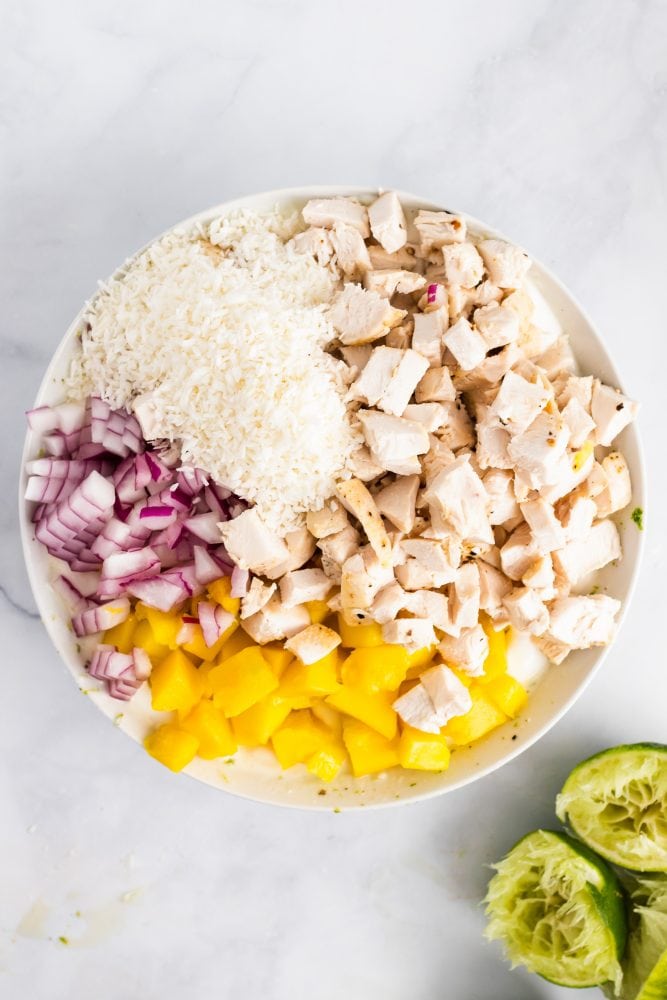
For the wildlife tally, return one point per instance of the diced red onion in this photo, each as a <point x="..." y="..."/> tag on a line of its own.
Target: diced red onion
<point x="431" y="293"/>
<point x="160" y="592"/>
<point x="157" y="517"/>
<point x="70" y="594"/>
<point x="214" y="620"/>
<point x="186" y="577"/>
<point x="101" y="618"/>
<point x="240" y="582"/>
<point x="191" y="480"/>
<point x="142" y="664"/>
<point x="204" y="526"/>
<point x="207" y="567"/>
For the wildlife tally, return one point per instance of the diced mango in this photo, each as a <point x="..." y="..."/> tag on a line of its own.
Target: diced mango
<point x="299" y="737"/>
<point x="507" y="694"/>
<point x="359" y="636"/>
<point x="373" y="709"/>
<point x="172" y="746"/>
<point x="480" y="720"/>
<point x="165" y="624"/>
<point x="496" y="661"/>
<point x="327" y="762"/>
<point x="122" y="636"/>
<point x="330" y="716"/>
<point x="257" y="724"/>
<point x="220" y="592"/>
<point x="144" y="638"/>
<point x="466" y="679"/>
<point x="198" y="647"/>
<point x="423" y="751"/>
<point x="369" y="752"/>
<point x="318" y="611"/>
<point x="212" y="729"/>
<point x="277" y="657"/>
<point x="238" y="641"/>
<point x="378" y="668"/>
<point x="176" y="684"/>
<point x="241" y="681"/>
<point x="419" y="660"/>
<point x="311" y="680"/>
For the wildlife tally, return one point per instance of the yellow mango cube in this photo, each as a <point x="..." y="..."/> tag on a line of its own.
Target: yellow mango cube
<point x="299" y="737"/>
<point x="256" y="726"/>
<point x="359" y="636"/>
<point x="369" y="751"/>
<point x="328" y="715"/>
<point x="311" y="680"/>
<point x="480" y="720"/>
<point x="176" y="684"/>
<point x="277" y="657"/>
<point x="212" y="729"/>
<point x="220" y="592"/>
<point x="423" y="751"/>
<point x="122" y="636"/>
<point x="241" y="681"/>
<point x="165" y="624"/>
<point x="144" y="639"/>
<point x="327" y="762"/>
<point x="318" y="611"/>
<point x="496" y="661"/>
<point x="466" y="679"/>
<point x="378" y="668"/>
<point x="172" y="746"/>
<point x="507" y="694"/>
<point x="419" y="660"/>
<point x="198" y="647"/>
<point x="373" y="709"/>
<point x="238" y="640"/>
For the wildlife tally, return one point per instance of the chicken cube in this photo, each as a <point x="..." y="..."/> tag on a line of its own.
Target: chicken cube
<point x="300" y="547"/>
<point x="540" y="576"/>
<point x="493" y="587"/>
<point x="430" y="415"/>
<point x="436" y="386"/>
<point x="350" y="249"/>
<point x="257" y="597"/>
<point x="388" y="281"/>
<point x="497" y="324"/>
<point x="429" y="563"/>
<point x="316" y="242"/>
<point x="545" y="528"/>
<point x="579" y="423"/>
<point x="576" y="513"/>
<point x="486" y="293"/>
<point x="449" y="695"/>
<point x="388" y="602"/>
<point x="519" y="552"/>
<point x="328" y="520"/>
<point x="437" y="458"/>
<point x="397" y="502"/>
<point x="377" y="375"/>
<point x="302" y="585"/>
<point x="416" y="709"/>
<point x="558" y="359"/>
<point x="329" y="212"/>
<point x="464" y="598"/>
<point x="618" y="490"/>
<point x="459" y="495"/>
<point x="518" y="402"/>
<point x="275" y="622"/>
<point x="357" y="587"/>
<point x="431" y="605"/>
<point x="406" y="378"/>
<point x="336" y="549"/>
<point x="466" y="344"/>
<point x="526" y="611"/>
<point x="413" y="633"/>
<point x="387" y="222"/>
<point x="506" y="265"/>
<point x="313" y="643"/>
<point x="357" y="357"/>
<point x="580" y="557"/>
<point x="364" y="466"/>
<point x="492" y="444"/>
<point x="538" y="449"/>
<point x="355" y="497"/>
<point x="611" y="411"/>
<point x="360" y="316"/>
<point x="393" y="441"/>
<point x="251" y="544"/>
<point x="436" y="229"/>
<point x="463" y="264"/>
<point x="579" y="388"/>
<point x="427" y="335"/>
<point x="404" y="258"/>
<point x="467" y="652"/>
<point x="581" y="622"/>
<point x="499" y="485"/>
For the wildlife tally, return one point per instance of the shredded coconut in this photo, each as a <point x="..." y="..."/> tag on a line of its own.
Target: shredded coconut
<point x="222" y="332"/>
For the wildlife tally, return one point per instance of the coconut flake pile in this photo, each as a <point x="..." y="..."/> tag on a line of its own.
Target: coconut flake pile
<point x="223" y="332"/>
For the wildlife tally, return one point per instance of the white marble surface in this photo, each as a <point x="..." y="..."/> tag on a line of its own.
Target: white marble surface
<point x="117" y="120"/>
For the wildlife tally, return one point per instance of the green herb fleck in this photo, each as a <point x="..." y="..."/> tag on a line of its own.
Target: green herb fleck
<point x="118" y="718"/>
<point x="595" y="589"/>
<point x="336" y="810"/>
<point x="63" y="939"/>
<point x="413" y="784"/>
<point x="638" y="517"/>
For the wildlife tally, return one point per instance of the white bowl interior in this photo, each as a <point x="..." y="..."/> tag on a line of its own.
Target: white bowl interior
<point x="255" y="773"/>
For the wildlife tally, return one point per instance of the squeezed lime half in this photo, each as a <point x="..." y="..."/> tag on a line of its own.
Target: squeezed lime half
<point x="616" y="802"/>
<point x="645" y="967"/>
<point x="559" y="910"/>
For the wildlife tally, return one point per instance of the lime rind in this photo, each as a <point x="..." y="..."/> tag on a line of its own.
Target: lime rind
<point x="616" y="802"/>
<point x="645" y="969"/>
<point x="559" y="911"/>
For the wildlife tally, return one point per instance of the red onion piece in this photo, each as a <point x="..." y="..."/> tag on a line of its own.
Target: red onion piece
<point x="142" y="664"/>
<point x="207" y="567"/>
<point x="214" y="620"/>
<point x="204" y="526"/>
<point x="101" y="618"/>
<point x="240" y="582"/>
<point x="161" y="593"/>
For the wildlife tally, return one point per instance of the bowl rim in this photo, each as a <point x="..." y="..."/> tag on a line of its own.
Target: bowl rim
<point x="284" y="196"/>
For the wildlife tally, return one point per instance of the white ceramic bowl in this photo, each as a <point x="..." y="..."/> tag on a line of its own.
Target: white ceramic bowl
<point x="255" y="773"/>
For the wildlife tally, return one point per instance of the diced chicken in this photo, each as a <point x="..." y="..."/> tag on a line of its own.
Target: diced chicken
<point x="464" y="598"/>
<point x="487" y="375"/>
<point x="436" y="386"/>
<point x="576" y="513"/>
<point x="466" y="344"/>
<point x="467" y="651"/>
<point x="611" y="411"/>
<point x="303" y="585"/>
<point x="436" y="229"/>
<point x="350" y="250"/>
<point x="257" y="597"/>
<point x="388" y="281"/>
<point x="357" y="587"/>
<point x="552" y="649"/>
<point x="360" y="317"/>
<point x="618" y="490"/>
<point x="540" y="576"/>
<point x="580" y="557"/>
<point x="497" y="324"/>
<point x="570" y="471"/>
<point x="427" y="335"/>
<point x="358" y="501"/>
<point x="437" y="458"/>
<point x="410" y="369"/>
<point x="518" y="402"/>
<point x="416" y="709"/>
<point x="431" y="605"/>
<point x="449" y="695"/>
<point x="315" y="642"/>
<point x="526" y="611"/>
<point x="275" y="622"/>
<point x="364" y="466"/>
<point x="582" y="622"/>
<point x="545" y="528"/>
<point x="492" y="444"/>
<point x="397" y="502"/>
<point x="400" y="336"/>
<point x="538" y="449"/>
<point x="493" y="587"/>
<point x="404" y="258"/>
<point x="595" y="482"/>
<point x="300" y="547"/>
<point x="506" y="265"/>
<point x="329" y="212"/>
<point x="486" y="292"/>
<point x="579" y="388"/>
<point x="388" y="602"/>
<point x="499" y="485"/>
<point x="429" y="564"/>
<point x="459" y="495"/>
<point x="430" y="415"/>
<point x="387" y="222"/>
<point x="518" y="553"/>
<point x="377" y="375"/>
<point x="328" y="520"/>
<point x="413" y="633"/>
<point x="394" y="442"/>
<point x="315" y="241"/>
<point x="251" y="544"/>
<point x="579" y="423"/>
<point x="463" y="264"/>
<point x="357" y="357"/>
<point x="336" y="549"/>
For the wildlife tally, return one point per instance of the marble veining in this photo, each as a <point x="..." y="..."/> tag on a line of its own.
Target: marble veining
<point x="116" y="120"/>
